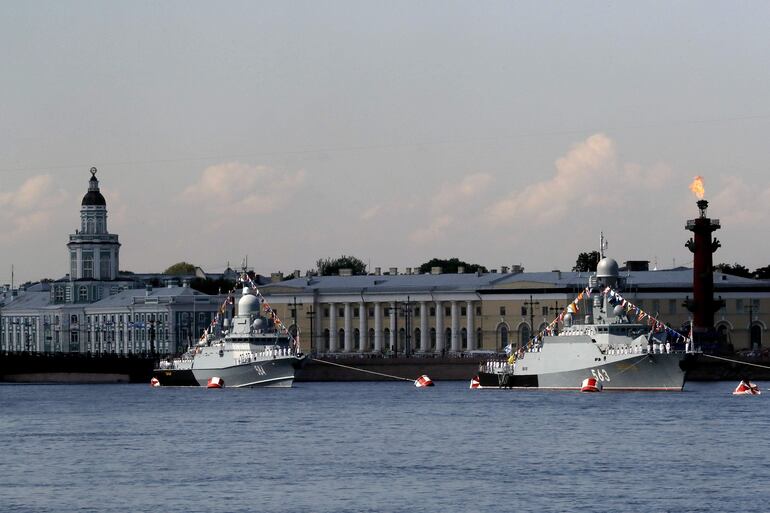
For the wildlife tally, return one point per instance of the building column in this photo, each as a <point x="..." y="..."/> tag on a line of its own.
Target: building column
<point x="439" y="327"/>
<point x="333" y="328"/>
<point x="317" y="332"/>
<point x="377" y="327"/>
<point x="424" y="330"/>
<point x="470" y="326"/>
<point x="455" y="326"/>
<point x="393" y="327"/>
<point x="348" y="327"/>
<point x="363" y="327"/>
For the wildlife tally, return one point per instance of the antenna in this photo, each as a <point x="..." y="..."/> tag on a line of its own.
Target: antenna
<point x="602" y="245"/>
<point x="11" y="276"/>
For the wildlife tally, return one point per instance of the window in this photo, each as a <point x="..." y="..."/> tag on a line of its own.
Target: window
<point x="545" y="311"/>
<point x="341" y="312"/>
<point x="739" y="305"/>
<point x="432" y="311"/>
<point x="59" y="293"/>
<point x="88" y="264"/>
<point x="371" y="312"/>
<point x="355" y="312"/>
<point x="463" y="311"/>
<point x="82" y="294"/>
<point x="478" y="310"/>
<point x="73" y="264"/>
<point x="104" y="265"/>
<point x="524" y="311"/>
<point x="502" y="310"/>
<point x="326" y="312"/>
<point x="447" y="311"/>
<point x="672" y="306"/>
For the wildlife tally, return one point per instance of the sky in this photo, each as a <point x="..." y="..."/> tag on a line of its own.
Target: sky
<point x="499" y="133"/>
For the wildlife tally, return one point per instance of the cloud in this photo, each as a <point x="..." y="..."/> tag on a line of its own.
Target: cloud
<point x="371" y="212"/>
<point x="31" y="208"/>
<point x="240" y="188"/>
<point x="739" y="204"/>
<point x="588" y="175"/>
<point x="450" y="199"/>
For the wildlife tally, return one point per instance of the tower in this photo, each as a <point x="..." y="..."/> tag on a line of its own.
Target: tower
<point x="703" y="306"/>
<point x="93" y="251"/>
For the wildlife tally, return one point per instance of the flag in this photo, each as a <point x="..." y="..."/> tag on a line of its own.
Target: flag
<point x="508" y="349"/>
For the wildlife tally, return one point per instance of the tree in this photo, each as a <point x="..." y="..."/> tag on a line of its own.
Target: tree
<point x="208" y="286"/>
<point x="734" y="269"/>
<point x="587" y="262"/>
<point x="332" y="266"/>
<point x="762" y="273"/>
<point x="450" y="266"/>
<point x="180" y="268"/>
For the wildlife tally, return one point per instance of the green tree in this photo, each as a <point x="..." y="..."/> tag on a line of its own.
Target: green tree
<point x="734" y="269"/>
<point x="180" y="268"/>
<point x="587" y="262"/>
<point x="762" y="273"/>
<point x="450" y="266"/>
<point x="332" y="266"/>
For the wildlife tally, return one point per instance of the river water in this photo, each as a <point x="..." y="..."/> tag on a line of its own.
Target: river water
<point x="360" y="447"/>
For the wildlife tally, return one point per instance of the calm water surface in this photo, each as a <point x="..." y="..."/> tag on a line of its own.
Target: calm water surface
<point x="358" y="447"/>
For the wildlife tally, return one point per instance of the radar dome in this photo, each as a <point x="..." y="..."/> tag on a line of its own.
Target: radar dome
<point x="607" y="268"/>
<point x="248" y="304"/>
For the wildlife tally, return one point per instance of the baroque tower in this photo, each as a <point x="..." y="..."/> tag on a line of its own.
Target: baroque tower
<point x="93" y="251"/>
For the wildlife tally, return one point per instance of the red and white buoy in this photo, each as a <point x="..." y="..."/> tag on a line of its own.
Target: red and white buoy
<point x="475" y="382"/>
<point x="216" y="382"/>
<point x="154" y="382"/>
<point x="746" y="388"/>
<point x="423" y="381"/>
<point x="591" y="385"/>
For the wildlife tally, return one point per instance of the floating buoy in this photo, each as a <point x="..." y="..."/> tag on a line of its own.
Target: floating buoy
<point x="746" y="388"/>
<point x="591" y="385"/>
<point x="154" y="382"/>
<point x="475" y="382"/>
<point x="423" y="381"/>
<point x="216" y="382"/>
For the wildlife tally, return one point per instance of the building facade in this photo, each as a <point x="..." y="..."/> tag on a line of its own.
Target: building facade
<point x="433" y="314"/>
<point x="95" y="309"/>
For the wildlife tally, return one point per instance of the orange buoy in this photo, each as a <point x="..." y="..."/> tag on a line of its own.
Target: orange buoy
<point x="746" y="388"/>
<point x="591" y="385"/>
<point x="216" y="382"/>
<point x="475" y="382"/>
<point x="154" y="382"/>
<point x="423" y="381"/>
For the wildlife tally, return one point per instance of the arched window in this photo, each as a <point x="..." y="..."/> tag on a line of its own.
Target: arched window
<point x="433" y="339"/>
<point x="370" y="340"/>
<point x="523" y="334"/>
<point x="723" y="333"/>
<point x="357" y="340"/>
<point x="502" y="336"/>
<point x="340" y="339"/>
<point x="448" y="339"/>
<point x="756" y="336"/>
<point x="464" y="339"/>
<point x="479" y="338"/>
<point x="401" y="339"/>
<point x="386" y="337"/>
<point x="327" y="340"/>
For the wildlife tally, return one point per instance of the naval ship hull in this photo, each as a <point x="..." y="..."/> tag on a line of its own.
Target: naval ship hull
<point x="277" y="372"/>
<point x="652" y="372"/>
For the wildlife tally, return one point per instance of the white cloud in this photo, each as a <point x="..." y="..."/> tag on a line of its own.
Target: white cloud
<point x="450" y="200"/>
<point x="740" y="204"/>
<point x="371" y="212"/>
<point x="31" y="208"/>
<point x="242" y="189"/>
<point x="588" y="175"/>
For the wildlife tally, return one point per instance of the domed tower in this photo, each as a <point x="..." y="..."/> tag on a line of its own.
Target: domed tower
<point x="94" y="252"/>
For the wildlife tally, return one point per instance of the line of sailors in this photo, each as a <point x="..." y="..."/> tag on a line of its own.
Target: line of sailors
<point x="272" y="352"/>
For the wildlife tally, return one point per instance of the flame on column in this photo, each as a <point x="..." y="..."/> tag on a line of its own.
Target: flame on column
<point x="697" y="187"/>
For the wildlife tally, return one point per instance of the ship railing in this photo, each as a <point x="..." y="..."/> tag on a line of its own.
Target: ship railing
<point x="273" y="352"/>
<point x="496" y="367"/>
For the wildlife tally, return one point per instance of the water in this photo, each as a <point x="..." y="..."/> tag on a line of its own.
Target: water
<point x="358" y="447"/>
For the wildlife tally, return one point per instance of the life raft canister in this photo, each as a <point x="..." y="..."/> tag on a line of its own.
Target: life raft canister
<point x="746" y="388"/>
<point x="423" y="381"/>
<point x="475" y="382"/>
<point x="216" y="382"/>
<point x="591" y="385"/>
<point x="154" y="382"/>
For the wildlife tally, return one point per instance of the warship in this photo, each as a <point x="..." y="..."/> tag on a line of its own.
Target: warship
<point x="609" y="346"/>
<point x="247" y="350"/>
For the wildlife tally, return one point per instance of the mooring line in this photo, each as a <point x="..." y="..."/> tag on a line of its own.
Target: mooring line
<point x="363" y="370"/>
<point x="736" y="361"/>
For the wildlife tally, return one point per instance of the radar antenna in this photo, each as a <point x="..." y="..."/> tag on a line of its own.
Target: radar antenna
<point x="602" y="245"/>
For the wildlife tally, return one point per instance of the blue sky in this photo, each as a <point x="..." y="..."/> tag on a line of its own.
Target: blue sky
<point x="497" y="132"/>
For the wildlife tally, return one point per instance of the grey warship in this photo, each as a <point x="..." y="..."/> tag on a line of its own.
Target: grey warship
<point x="248" y="350"/>
<point x="609" y="345"/>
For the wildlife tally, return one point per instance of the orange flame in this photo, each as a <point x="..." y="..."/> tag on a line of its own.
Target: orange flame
<point x="697" y="187"/>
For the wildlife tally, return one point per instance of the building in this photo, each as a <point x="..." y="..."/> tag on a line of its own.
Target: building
<point x="95" y="308"/>
<point x="437" y="313"/>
